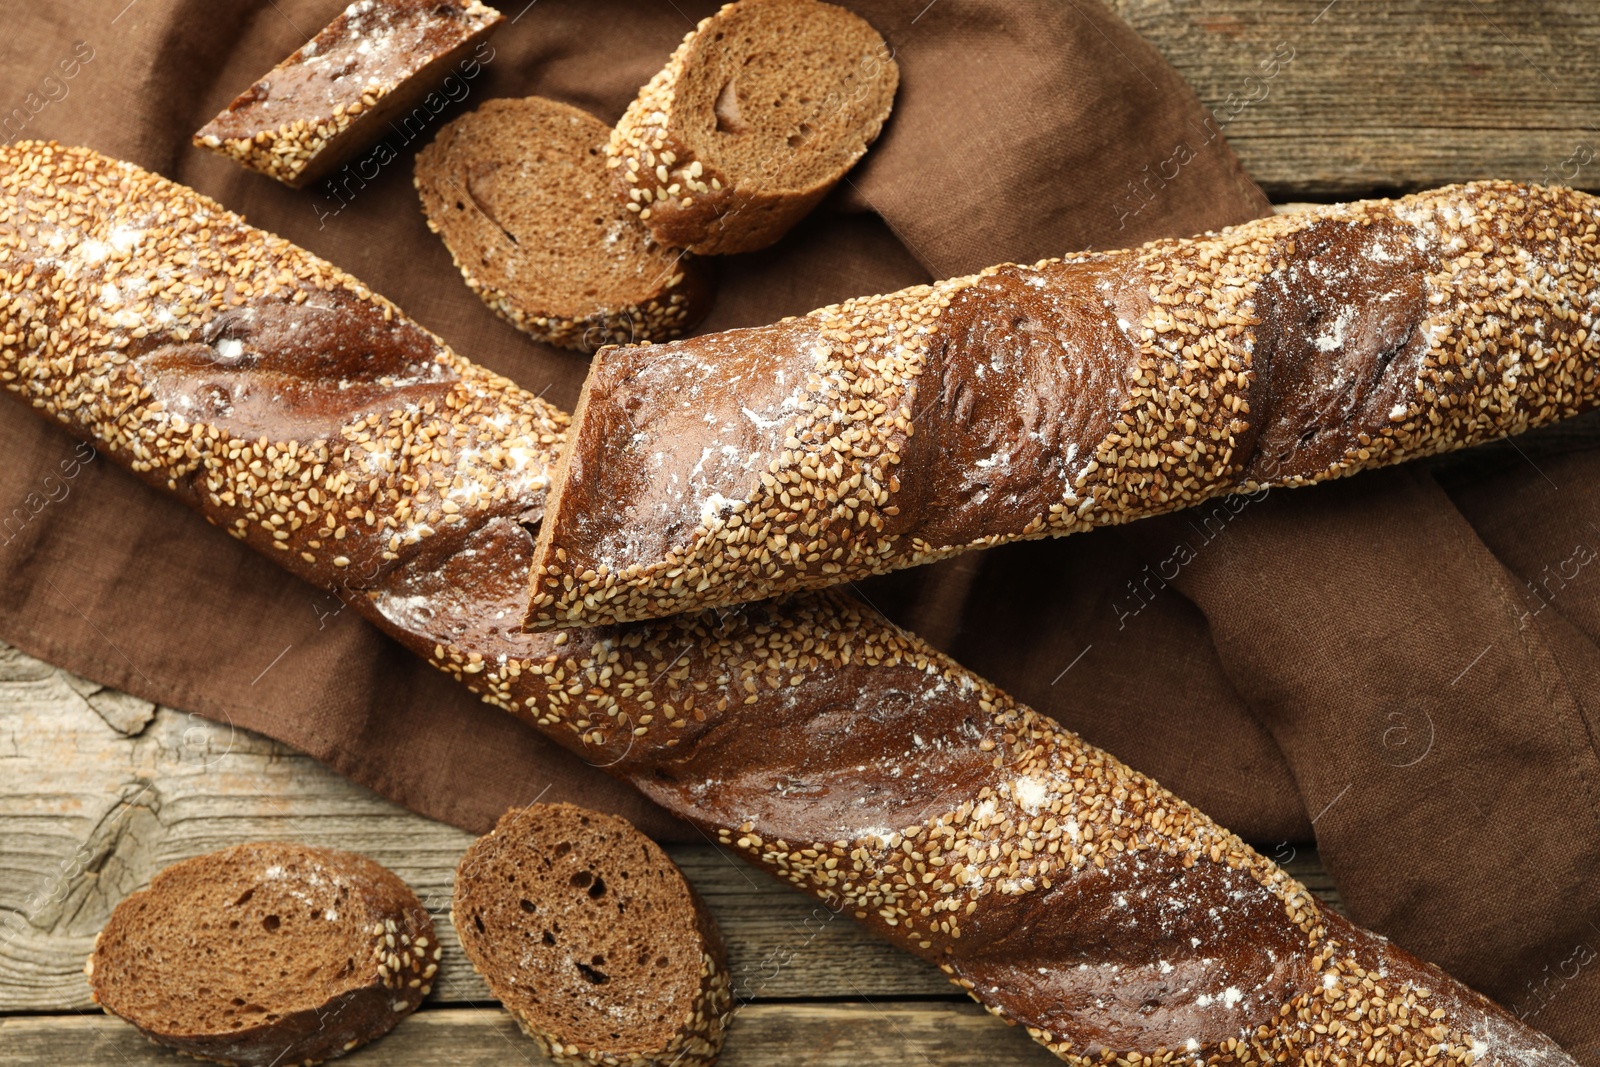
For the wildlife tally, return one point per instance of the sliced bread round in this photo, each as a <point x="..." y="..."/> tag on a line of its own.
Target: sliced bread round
<point x="590" y="936"/>
<point x="760" y="111"/>
<point x="268" y="953"/>
<point x="520" y="193"/>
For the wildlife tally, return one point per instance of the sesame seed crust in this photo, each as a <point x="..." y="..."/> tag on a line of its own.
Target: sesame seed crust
<point x="662" y="149"/>
<point x="1061" y="889"/>
<point x="308" y="114"/>
<point x="1027" y="402"/>
<point x="185" y="343"/>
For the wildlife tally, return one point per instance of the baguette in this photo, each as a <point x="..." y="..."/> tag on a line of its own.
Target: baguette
<point x="1064" y="891"/>
<point x="1028" y="402"/>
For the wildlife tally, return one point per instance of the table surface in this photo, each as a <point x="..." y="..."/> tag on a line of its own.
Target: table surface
<point x="101" y="790"/>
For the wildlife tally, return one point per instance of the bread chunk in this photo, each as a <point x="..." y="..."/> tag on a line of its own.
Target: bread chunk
<point x="269" y="953"/>
<point x="593" y="940"/>
<point x="334" y="95"/>
<point x="518" y="189"/>
<point x="760" y="112"/>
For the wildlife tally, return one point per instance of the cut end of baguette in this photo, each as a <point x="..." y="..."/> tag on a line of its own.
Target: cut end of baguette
<point x="264" y="953"/>
<point x="328" y="100"/>
<point x="759" y="113"/>
<point x="519" y="191"/>
<point x="624" y="488"/>
<point x="590" y="936"/>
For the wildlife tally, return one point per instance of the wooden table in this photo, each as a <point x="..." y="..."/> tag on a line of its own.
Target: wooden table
<point x="98" y="790"/>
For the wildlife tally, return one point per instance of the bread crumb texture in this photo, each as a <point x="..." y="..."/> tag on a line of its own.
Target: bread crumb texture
<point x="519" y="191"/>
<point x="266" y="953"/>
<point x="594" y="941"/>
<point x="760" y="111"/>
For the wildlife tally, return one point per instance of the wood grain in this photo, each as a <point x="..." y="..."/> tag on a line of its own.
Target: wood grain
<point x="1388" y="95"/>
<point x="882" y="1034"/>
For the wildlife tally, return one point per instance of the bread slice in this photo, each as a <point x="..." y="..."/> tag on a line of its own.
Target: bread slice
<point x="761" y="110"/>
<point x="341" y="90"/>
<point x="519" y="191"/>
<point x="268" y="953"/>
<point x="593" y="940"/>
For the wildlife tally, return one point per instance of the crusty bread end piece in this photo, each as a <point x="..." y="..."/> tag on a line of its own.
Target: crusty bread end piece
<point x="760" y="112"/>
<point x="270" y="953"/>
<point x="592" y="939"/>
<point x="337" y="94"/>
<point x="518" y="189"/>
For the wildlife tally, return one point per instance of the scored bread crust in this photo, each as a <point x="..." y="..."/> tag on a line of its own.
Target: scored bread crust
<point x="697" y="1038"/>
<point x="396" y="50"/>
<point x="1027" y="402"/>
<point x="685" y="198"/>
<point x="391" y="941"/>
<point x="1062" y="890"/>
<point x="679" y="290"/>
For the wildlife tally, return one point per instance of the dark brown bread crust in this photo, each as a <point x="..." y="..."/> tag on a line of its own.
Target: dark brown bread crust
<point x="668" y="153"/>
<point x="656" y="995"/>
<point x="1039" y="401"/>
<point x="519" y="192"/>
<point x="1063" y="890"/>
<point x="389" y="935"/>
<point x="336" y="94"/>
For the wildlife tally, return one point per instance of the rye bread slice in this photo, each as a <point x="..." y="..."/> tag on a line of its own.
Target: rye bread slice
<point x="341" y="91"/>
<point x="593" y="940"/>
<point x="520" y="193"/>
<point x="269" y="953"/>
<point x="760" y="111"/>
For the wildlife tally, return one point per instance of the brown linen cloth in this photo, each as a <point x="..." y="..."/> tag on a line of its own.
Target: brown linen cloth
<point x="1367" y="658"/>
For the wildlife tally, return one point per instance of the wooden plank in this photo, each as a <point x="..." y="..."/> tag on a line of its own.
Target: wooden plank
<point x="882" y="1034"/>
<point x="97" y="794"/>
<point x="1389" y="94"/>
